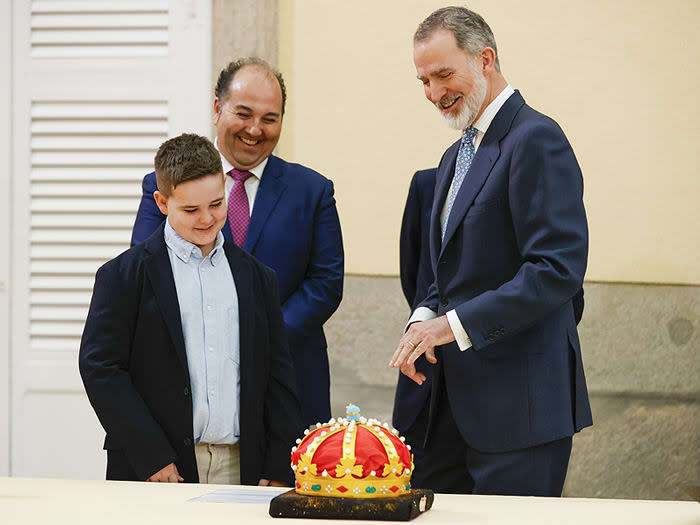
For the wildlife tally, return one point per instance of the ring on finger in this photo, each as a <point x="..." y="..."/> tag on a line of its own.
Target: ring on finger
<point x="413" y="345"/>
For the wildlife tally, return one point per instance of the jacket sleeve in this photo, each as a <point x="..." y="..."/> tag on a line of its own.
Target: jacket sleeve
<point x="282" y="412"/>
<point x="105" y="350"/>
<point x="410" y="243"/>
<point x="148" y="217"/>
<point x="319" y="294"/>
<point x="545" y="196"/>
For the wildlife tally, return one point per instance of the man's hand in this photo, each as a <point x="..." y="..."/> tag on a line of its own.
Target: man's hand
<point x="421" y="338"/>
<point x="272" y="483"/>
<point x="167" y="474"/>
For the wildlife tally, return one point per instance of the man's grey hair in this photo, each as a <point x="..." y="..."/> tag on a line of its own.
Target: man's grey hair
<point x="470" y="30"/>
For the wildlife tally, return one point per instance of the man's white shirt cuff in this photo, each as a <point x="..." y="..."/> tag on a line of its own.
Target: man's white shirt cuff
<point x="461" y="337"/>
<point x="421" y="314"/>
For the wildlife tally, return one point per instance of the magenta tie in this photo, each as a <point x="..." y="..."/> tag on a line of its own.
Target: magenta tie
<point x="238" y="208"/>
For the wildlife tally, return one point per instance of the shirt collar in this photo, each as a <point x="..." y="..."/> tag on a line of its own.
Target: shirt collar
<point x="257" y="171"/>
<point x="484" y="121"/>
<point x="185" y="249"/>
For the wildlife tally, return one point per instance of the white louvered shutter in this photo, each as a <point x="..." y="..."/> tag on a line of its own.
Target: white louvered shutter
<point x="97" y="86"/>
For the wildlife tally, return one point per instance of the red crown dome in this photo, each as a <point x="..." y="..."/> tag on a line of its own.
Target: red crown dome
<point x="352" y="457"/>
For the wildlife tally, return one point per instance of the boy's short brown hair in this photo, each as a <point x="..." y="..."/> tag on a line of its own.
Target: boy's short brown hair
<point x="184" y="158"/>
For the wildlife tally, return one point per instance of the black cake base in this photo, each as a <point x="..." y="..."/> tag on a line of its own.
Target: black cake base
<point x="399" y="508"/>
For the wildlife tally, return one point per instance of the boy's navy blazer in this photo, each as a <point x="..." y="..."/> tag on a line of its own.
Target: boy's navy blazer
<point x="134" y="367"/>
<point x="512" y="259"/>
<point x="294" y="229"/>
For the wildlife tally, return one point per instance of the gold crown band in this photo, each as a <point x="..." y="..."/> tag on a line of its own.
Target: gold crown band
<point x="349" y="487"/>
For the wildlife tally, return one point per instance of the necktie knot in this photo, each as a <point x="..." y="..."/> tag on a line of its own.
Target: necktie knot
<point x="469" y="135"/>
<point x="240" y="176"/>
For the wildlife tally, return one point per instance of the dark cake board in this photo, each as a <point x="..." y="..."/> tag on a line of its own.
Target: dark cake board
<point x="398" y="508"/>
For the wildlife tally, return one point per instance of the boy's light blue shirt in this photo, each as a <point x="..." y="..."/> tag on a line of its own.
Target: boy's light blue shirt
<point x="206" y="293"/>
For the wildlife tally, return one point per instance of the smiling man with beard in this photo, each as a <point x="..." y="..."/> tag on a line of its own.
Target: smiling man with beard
<point x="509" y="245"/>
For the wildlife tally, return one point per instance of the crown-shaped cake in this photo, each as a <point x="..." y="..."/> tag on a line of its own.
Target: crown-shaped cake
<point x="352" y="457"/>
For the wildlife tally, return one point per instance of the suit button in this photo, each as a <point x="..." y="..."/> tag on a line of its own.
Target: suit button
<point x="443" y="301"/>
<point x="187" y="441"/>
<point x="186" y="391"/>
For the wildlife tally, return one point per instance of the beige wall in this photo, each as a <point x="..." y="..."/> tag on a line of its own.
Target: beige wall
<point x="620" y="77"/>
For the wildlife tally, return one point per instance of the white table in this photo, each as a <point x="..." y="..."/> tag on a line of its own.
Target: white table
<point x="58" y="501"/>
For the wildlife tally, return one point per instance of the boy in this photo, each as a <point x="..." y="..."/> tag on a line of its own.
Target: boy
<point x="184" y="356"/>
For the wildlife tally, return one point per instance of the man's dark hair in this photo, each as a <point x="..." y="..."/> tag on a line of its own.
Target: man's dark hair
<point x="184" y="158"/>
<point x="471" y="31"/>
<point x="227" y="74"/>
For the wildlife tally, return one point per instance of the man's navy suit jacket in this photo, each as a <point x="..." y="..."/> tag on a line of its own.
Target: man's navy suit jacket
<point x="513" y="257"/>
<point x="294" y="229"/>
<point x="134" y="366"/>
<point x="416" y="273"/>
<point x="416" y="278"/>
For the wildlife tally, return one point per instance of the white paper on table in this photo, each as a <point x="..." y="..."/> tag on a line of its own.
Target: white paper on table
<point x="241" y="495"/>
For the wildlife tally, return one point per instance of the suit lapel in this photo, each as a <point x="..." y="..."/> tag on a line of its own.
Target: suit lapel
<point x="271" y="189"/>
<point x="486" y="156"/>
<point x="476" y="176"/>
<point x="160" y="274"/>
<point x="243" y="279"/>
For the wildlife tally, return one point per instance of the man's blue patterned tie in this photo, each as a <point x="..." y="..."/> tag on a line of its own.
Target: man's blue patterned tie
<point x="464" y="160"/>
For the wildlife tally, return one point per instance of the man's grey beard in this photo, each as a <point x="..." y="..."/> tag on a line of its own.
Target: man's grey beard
<point x="471" y="104"/>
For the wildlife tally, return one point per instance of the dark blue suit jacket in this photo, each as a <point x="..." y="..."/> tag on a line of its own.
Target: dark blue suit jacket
<point x="513" y="257"/>
<point x="294" y="229"/>
<point x="134" y="366"/>
<point x="416" y="278"/>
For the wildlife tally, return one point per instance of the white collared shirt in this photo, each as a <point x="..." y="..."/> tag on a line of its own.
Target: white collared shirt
<point x="482" y="125"/>
<point x="251" y="184"/>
